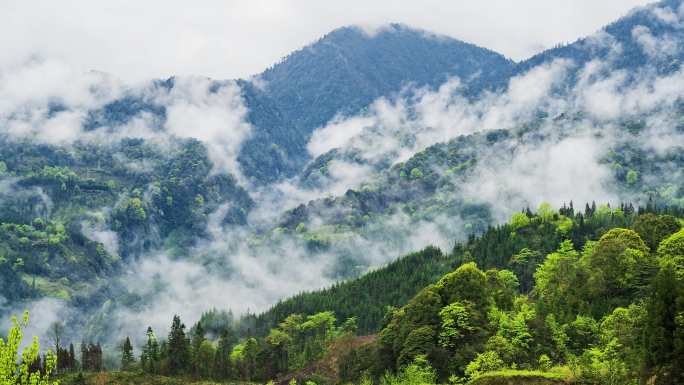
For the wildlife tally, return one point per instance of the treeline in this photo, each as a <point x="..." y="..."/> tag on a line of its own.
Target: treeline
<point x="594" y="294"/>
<point x="368" y="297"/>
<point x="520" y="246"/>
<point x="297" y="341"/>
<point x="607" y="312"/>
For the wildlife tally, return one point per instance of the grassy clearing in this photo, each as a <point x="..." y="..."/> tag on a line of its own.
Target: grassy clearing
<point x="555" y="376"/>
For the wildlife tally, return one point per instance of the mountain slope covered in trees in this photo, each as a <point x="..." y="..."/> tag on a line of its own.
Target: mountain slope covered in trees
<point x="353" y="151"/>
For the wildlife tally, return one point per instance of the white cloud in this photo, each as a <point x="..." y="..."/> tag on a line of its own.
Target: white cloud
<point x="554" y="172"/>
<point x="655" y="47"/>
<point x="194" y="109"/>
<point x="220" y="39"/>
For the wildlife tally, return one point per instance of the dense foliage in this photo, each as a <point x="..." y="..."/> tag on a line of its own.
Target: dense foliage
<point x="575" y="296"/>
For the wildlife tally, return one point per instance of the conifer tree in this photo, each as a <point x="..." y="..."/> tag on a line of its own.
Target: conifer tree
<point x="127" y="360"/>
<point x="178" y="349"/>
<point x="197" y="340"/>
<point x="149" y="358"/>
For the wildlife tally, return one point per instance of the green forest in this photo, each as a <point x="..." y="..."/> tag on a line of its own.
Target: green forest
<point x="382" y="206"/>
<point x="592" y="296"/>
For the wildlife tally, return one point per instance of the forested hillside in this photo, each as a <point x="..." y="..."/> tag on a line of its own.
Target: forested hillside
<point x="586" y="296"/>
<point x="384" y="205"/>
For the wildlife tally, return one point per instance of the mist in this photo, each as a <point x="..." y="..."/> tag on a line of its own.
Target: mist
<point x="248" y="268"/>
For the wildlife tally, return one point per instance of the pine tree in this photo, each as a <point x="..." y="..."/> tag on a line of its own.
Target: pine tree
<point x="222" y="363"/>
<point x="197" y="340"/>
<point x="72" y="357"/>
<point x="127" y="360"/>
<point x="178" y="349"/>
<point x="149" y="358"/>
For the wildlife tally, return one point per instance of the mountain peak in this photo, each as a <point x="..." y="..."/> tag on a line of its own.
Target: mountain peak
<point x="350" y="67"/>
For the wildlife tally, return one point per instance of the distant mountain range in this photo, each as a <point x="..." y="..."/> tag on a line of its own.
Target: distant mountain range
<point x="346" y="70"/>
<point x="74" y="217"/>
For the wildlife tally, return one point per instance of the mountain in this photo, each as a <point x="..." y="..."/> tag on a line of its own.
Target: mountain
<point x="648" y="36"/>
<point x="341" y="74"/>
<point x="123" y="230"/>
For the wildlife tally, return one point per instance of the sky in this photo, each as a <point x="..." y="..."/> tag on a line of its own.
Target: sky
<point x="227" y="39"/>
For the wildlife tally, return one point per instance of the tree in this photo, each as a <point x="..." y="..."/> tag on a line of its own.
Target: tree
<point x="91" y="357"/>
<point x="20" y="370"/>
<point x="56" y="331"/>
<point x="204" y="356"/>
<point x="127" y="360"/>
<point x="456" y="324"/>
<point x="524" y="264"/>
<point x="654" y="228"/>
<point x="150" y="356"/>
<point x="672" y="249"/>
<point x="467" y="283"/>
<point x="196" y="345"/>
<point x="664" y="331"/>
<point x="420" y="341"/>
<point x="618" y="266"/>
<point x="502" y="286"/>
<point x="178" y="349"/>
<point x="222" y="364"/>
<point x="558" y="283"/>
<point x="484" y="362"/>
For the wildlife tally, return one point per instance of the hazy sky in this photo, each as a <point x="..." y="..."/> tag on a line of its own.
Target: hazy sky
<point x="135" y="39"/>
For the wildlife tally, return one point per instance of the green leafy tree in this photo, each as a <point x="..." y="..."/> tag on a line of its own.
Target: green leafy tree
<point x="654" y="228"/>
<point x="618" y="266"/>
<point x="467" y="283"/>
<point x="559" y="282"/>
<point x="420" y="342"/>
<point x="502" y="286"/>
<point x="457" y="321"/>
<point x="15" y="369"/>
<point x="483" y="363"/>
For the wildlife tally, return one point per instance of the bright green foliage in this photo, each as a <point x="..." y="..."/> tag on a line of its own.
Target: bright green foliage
<point x="503" y="287"/>
<point x="602" y="366"/>
<point x="546" y="212"/>
<point x="558" y="282"/>
<point x="519" y="220"/>
<point x="672" y="249"/>
<point x="544" y="362"/>
<point x="632" y="177"/>
<point x="456" y="324"/>
<point x="654" y="228"/>
<point x="16" y="370"/>
<point x="484" y="362"/>
<point x="559" y="337"/>
<point x="467" y="283"/>
<point x="513" y="340"/>
<point x="582" y="333"/>
<point x="416" y="173"/>
<point x="623" y="329"/>
<point x="617" y="266"/>
<point x="419" y="372"/>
